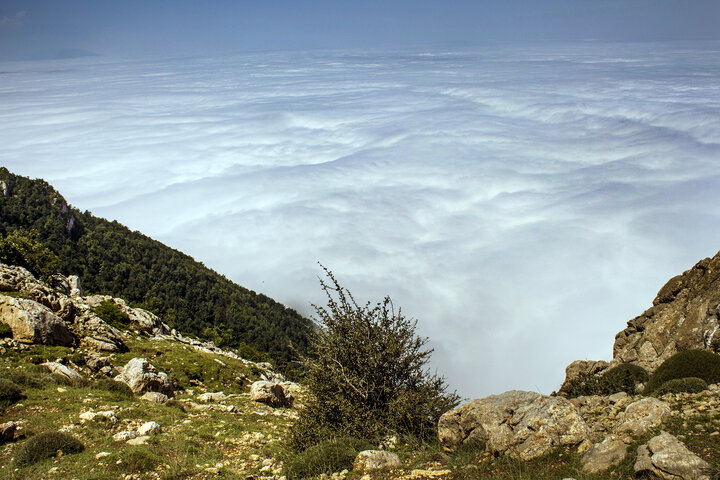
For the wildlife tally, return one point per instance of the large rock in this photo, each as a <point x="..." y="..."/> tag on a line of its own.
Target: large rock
<point x="666" y="457"/>
<point x="32" y="322"/>
<point x="641" y="416"/>
<point x="142" y="377"/>
<point x="603" y="455"/>
<point x="518" y="423"/>
<point x="7" y="432"/>
<point x="685" y="315"/>
<point x="375" y="460"/>
<point x="16" y="279"/>
<point x="582" y="368"/>
<point x="97" y="334"/>
<point x="269" y="393"/>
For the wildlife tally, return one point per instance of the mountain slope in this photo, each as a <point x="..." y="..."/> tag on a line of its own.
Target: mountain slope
<point x="111" y="259"/>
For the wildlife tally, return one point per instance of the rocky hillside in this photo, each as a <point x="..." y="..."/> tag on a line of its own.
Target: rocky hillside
<point x="113" y="260"/>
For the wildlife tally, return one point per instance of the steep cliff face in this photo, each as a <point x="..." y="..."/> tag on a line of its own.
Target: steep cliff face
<point x="685" y="315"/>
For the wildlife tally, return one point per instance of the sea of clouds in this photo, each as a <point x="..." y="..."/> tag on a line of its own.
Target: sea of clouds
<point x="521" y="203"/>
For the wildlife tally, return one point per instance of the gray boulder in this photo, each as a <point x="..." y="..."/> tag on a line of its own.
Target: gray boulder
<point x="666" y="457"/>
<point x="522" y="424"/>
<point x="7" y="432"/>
<point x="641" y="416"/>
<point x="63" y="370"/>
<point x="142" y="377"/>
<point x="269" y="393"/>
<point x="32" y="322"/>
<point x="375" y="460"/>
<point x="604" y="455"/>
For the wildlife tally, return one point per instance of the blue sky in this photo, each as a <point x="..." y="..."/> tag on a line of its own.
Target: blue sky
<point x="40" y="28"/>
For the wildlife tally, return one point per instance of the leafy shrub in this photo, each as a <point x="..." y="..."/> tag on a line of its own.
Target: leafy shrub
<point x="326" y="457"/>
<point x="138" y="459"/>
<point x="688" y="363"/>
<point x="46" y="445"/>
<point x="621" y="378"/>
<point x="112" y="314"/>
<point x="5" y="330"/>
<point x="9" y="393"/>
<point x="23" y="248"/>
<point x="368" y="376"/>
<point x="682" y="385"/>
<point x="120" y="389"/>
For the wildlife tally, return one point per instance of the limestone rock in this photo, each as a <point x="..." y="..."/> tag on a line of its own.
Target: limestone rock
<point x="140" y="440"/>
<point x="16" y="279"/>
<point x="97" y="334"/>
<point x="125" y="435"/>
<point x="580" y="368"/>
<point x="522" y="424"/>
<point x="375" y="460"/>
<point x="155" y="397"/>
<point x="32" y="322"/>
<point x="641" y="416"/>
<point x="142" y="377"/>
<point x="269" y="393"/>
<point x="667" y="457"/>
<point x="7" y="432"/>
<point x="603" y="455"/>
<point x="685" y="315"/>
<point x="75" y="286"/>
<point x="149" y="428"/>
<point x="65" y="371"/>
<point x="212" y="397"/>
<point x="105" y="415"/>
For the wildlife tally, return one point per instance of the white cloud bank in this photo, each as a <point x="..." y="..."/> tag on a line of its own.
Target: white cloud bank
<point x="522" y="204"/>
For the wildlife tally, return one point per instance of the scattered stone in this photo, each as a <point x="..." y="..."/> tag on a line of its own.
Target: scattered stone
<point x="155" y="397"/>
<point x="125" y="435"/>
<point x="149" y="428"/>
<point x="375" y="460"/>
<point x="32" y="322"/>
<point x="7" y="432"/>
<point x="604" y="455"/>
<point x="269" y="393"/>
<point x="142" y="377"/>
<point x="102" y="455"/>
<point x="667" y="457"/>
<point x="106" y="415"/>
<point x="65" y="371"/>
<point x="212" y="397"/>
<point x="141" y="440"/>
<point x="518" y="423"/>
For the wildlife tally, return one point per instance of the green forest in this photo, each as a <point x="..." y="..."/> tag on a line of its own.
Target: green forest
<point x="112" y="259"/>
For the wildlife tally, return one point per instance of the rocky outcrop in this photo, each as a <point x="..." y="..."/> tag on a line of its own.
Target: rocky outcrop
<point x="269" y="393"/>
<point x="522" y="424"/>
<point x="666" y="457"/>
<point x="685" y="315"/>
<point x="582" y="368"/>
<point x="375" y="460"/>
<point x="639" y="417"/>
<point x="64" y="371"/>
<point x="97" y="334"/>
<point x="32" y="322"/>
<point x="142" y="377"/>
<point x="604" y="455"/>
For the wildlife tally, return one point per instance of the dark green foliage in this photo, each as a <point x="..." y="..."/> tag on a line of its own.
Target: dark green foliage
<point x="112" y="314"/>
<point x="23" y="248"/>
<point x="625" y="377"/>
<point x="367" y="377"/>
<point x="5" y="330"/>
<point x="46" y="445"/>
<point x="327" y="457"/>
<point x="682" y="385"/>
<point x="120" y="389"/>
<point x="138" y="459"/>
<point x="114" y="260"/>
<point x="688" y="363"/>
<point x="9" y="392"/>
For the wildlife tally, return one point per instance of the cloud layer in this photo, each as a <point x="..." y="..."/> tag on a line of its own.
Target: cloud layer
<point x="522" y="204"/>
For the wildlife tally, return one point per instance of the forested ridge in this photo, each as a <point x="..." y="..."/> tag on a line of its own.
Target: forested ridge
<point x="112" y="259"/>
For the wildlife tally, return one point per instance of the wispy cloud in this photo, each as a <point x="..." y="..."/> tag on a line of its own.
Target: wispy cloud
<point x="521" y="203"/>
<point x="17" y="20"/>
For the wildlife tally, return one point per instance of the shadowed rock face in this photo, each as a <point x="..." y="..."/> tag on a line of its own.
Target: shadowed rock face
<point x="685" y="315"/>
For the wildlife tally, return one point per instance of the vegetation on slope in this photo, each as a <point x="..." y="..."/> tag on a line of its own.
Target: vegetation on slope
<point x="113" y="260"/>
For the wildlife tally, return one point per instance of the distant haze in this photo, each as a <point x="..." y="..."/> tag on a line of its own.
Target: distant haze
<point x="521" y="202"/>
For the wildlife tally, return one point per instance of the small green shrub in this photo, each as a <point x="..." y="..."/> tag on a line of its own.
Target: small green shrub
<point x="623" y="378"/>
<point x="682" y="385"/>
<point x="46" y="445"/>
<point x="326" y="457"/>
<point x="688" y="363"/>
<point x="9" y="393"/>
<point x="138" y="459"/>
<point x="120" y="389"/>
<point x="5" y="330"/>
<point x="112" y="314"/>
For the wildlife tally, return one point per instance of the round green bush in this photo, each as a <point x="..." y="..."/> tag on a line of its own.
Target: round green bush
<point x="682" y="385"/>
<point x="688" y="363"/>
<point x="119" y="388"/>
<point x="326" y="457"/>
<point x="625" y="377"/>
<point x="9" y="392"/>
<point x="46" y="445"/>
